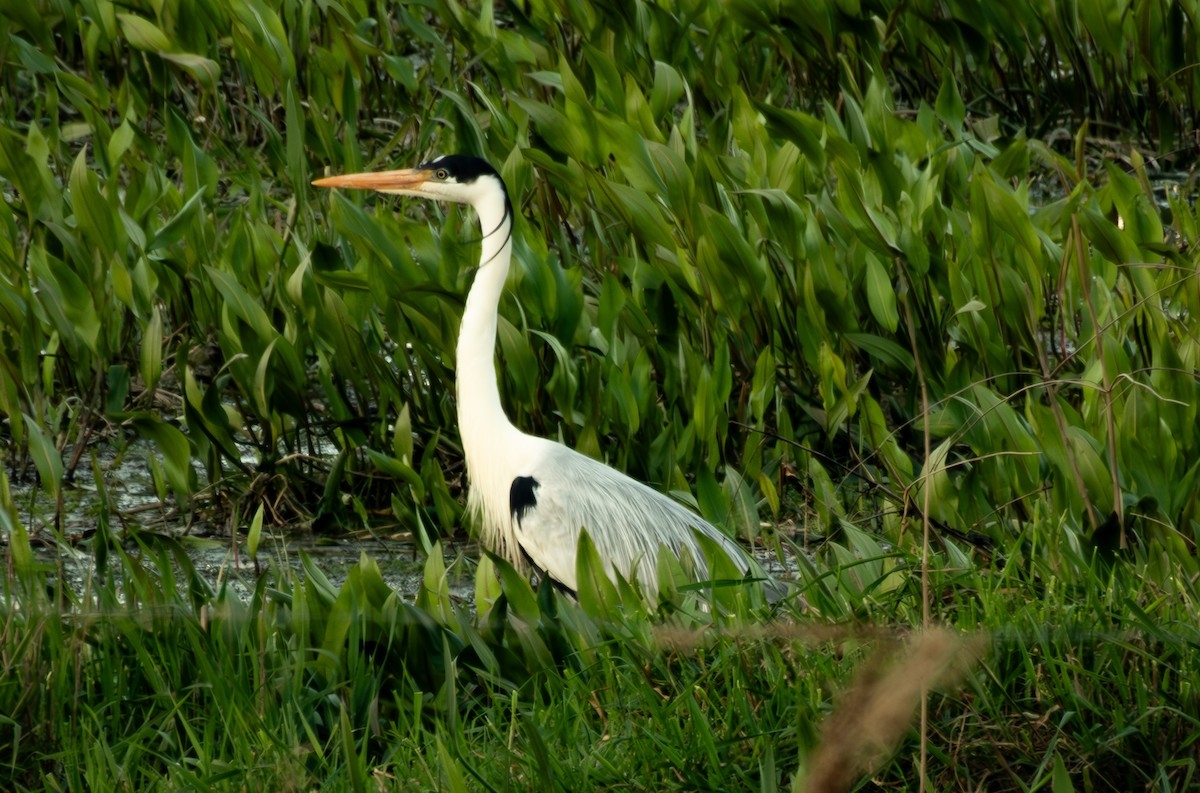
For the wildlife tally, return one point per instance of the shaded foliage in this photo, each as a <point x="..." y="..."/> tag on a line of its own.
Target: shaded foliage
<point x="734" y="256"/>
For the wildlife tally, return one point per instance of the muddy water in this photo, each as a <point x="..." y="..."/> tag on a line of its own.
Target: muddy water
<point x="135" y="508"/>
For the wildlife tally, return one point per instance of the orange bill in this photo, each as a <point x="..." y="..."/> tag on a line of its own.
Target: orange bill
<point x="407" y="179"/>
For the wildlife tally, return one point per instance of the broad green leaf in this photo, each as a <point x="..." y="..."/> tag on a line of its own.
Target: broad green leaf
<point x="434" y="596"/>
<point x="143" y="34"/>
<point x="259" y="31"/>
<point x="669" y="88"/>
<point x="92" y="212"/>
<point x="517" y="591"/>
<point x="399" y="470"/>
<point x="151" y="351"/>
<point x="637" y="210"/>
<point x="487" y="586"/>
<point x="597" y="595"/>
<point x="177" y="226"/>
<point x="884" y="349"/>
<point x="805" y="131"/>
<point x="296" y="161"/>
<point x="880" y="295"/>
<point x="116" y="386"/>
<point x="1112" y="242"/>
<point x="67" y="299"/>
<point x="205" y="71"/>
<point x="25" y="173"/>
<point x="1104" y="22"/>
<point x="1005" y="210"/>
<point x="176" y="453"/>
<point x="950" y="107"/>
<point x="263" y="383"/>
<point x="20" y="551"/>
<point x="743" y="517"/>
<point x="119" y="143"/>
<point x="254" y="536"/>
<point x="28" y="15"/>
<point x="402" y="438"/>
<point x="1092" y="469"/>
<point x="763" y="385"/>
<point x="45" y="456"/>
<point x="241" y="304"/>
<point x="1060" y="778"/>
<point x="555" y="128"/>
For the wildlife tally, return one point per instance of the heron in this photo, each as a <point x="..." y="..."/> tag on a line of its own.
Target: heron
<point x="532" y="496"/>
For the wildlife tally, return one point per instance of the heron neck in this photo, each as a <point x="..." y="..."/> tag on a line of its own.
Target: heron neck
<point x="480" y="415"/>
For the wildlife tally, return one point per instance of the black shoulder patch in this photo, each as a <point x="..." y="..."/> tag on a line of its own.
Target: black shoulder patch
<point x="522" y="496"/>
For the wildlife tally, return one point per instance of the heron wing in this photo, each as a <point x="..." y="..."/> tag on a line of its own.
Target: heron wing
<point x="626" y="520"/>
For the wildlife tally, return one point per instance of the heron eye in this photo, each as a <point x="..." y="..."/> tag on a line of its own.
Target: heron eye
<point x="441" y="174"/>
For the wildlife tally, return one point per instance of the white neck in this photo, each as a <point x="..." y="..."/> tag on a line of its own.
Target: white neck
<point x="486" y="431"/>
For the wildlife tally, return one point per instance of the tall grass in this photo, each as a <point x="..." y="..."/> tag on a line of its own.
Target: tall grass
<point x="141" y="683"/>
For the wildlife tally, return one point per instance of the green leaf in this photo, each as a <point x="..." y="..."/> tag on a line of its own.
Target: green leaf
<point x="45" y="456"/>
<point x="398" y="470"/>
<point x="743" y="512"/>
<point x="1060" y="779"/>
<point x="92" y="212"/>
<point x="67" y="299"/>
<point x="119" y="143"/>
<point x="258" y="30"/>
<point x="255" y="534"/>
<point x="1007" y="212"/>
<point x="178" y="225"/>
<point x="596" y="592"/>
<point x="516" y="590"/>
<point x="142" y="34"/>
<point x="637" y="210"/>
<point x="402" y="437"/>
<point x="262" y="386"/>
<point x="434" y="596"/>
<point x="205" y="71"/>
<point x="487" y="586"/>
<point x="950" y="107"/>
<point x="1114" y="243"/>
<point x="241" y="304"/>
<point x="28" y="16"/>
<point x="554" y="127"/>
<point x="668" y="89"/>
<point x="296" y="161"/>
<point x="881" y="297"/>
<point x="151" y="352"/>
<point x="1104" y="23"/>
<point x="19" y="549"/>
<point x="763" y="384"/>
<point x="805" y="131"/>
<point x="885" y="350"/>
<point x="117" y="389"/>
<point x="175" y="450"/>
<point x="18" y="167"/>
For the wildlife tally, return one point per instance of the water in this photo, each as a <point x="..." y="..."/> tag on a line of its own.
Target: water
<point x="136" y="510"/>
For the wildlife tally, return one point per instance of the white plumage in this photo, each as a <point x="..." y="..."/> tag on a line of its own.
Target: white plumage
<point x="532" y="495"/>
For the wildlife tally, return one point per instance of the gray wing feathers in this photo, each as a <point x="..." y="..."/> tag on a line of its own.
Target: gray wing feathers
<point x="626" y="520"/>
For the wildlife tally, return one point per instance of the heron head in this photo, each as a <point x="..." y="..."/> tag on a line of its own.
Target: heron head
<point x="452" y="177"/>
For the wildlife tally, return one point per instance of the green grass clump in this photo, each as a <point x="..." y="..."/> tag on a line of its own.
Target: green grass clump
<point x="148" y="681"/>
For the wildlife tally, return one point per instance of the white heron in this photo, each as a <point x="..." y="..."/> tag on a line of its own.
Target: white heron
<point x="533" y="496"/>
